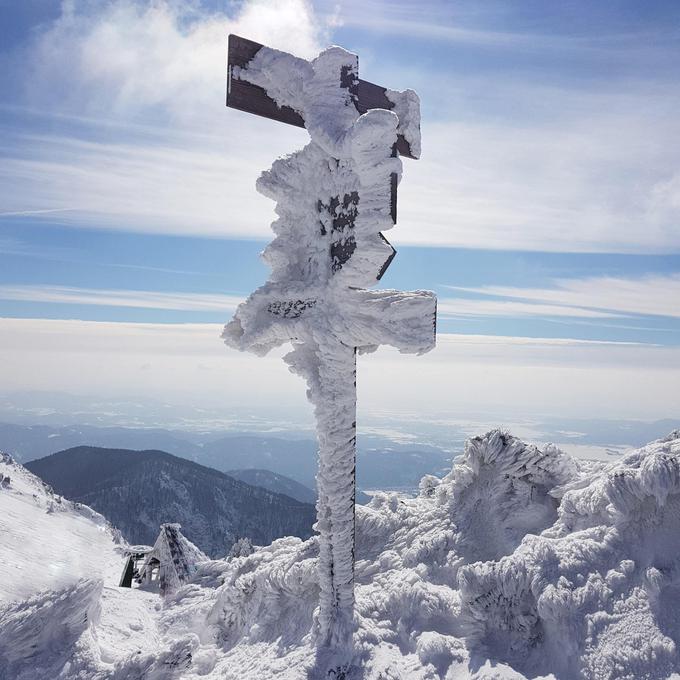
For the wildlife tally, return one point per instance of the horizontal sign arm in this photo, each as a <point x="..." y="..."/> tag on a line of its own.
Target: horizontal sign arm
<point x="362" y="319"/>
<point x="250" y="98"/>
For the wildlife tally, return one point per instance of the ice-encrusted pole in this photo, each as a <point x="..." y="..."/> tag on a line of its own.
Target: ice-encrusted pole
<point x="333" y="199"/>
<point x="333" y="392"/>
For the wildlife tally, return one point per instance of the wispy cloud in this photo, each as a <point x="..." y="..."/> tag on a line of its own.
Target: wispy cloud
<point x="31" y="213"/>
<point x="564" y="185"/>
<point x="164" y="270"/>
<point x="12" y="246"/>
<point x="482" y="25"/>
<point x="143" y="299"/>
<point x="508" y="162"/>
<point x="477" y="185"/>
<point x="657" y="295"/>
<point x="17" y="246"/>
<point x="411" y="25"/>
<point x="448" y="308"/>
<point x="465" y="307"/>
<point x="144" y="186"/>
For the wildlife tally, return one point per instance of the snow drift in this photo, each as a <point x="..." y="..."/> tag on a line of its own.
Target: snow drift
<point x="51" y="633"/>
<point x="519" y="563"/>
<point x="47" y="541"/>
<point x="61" y="613"/>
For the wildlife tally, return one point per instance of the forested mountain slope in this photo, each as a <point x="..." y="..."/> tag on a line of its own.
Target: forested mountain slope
<point x="139" y="490"/>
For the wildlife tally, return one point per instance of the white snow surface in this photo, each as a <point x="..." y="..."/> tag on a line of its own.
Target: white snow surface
<point x="48" y="542"/>
<point x="62" y="614"/>
<point x="520" y="563"/>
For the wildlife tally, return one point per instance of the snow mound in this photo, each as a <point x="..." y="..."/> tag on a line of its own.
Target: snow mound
<point x="520" y="563"/>
<point x="595" y="595"/>
<point x="61" y="612"/>
<point x="51" y="633"/>
<point x="501" y="491"/>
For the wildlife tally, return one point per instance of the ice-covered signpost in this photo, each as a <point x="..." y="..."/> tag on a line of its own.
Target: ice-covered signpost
<point x="333" y="199"/>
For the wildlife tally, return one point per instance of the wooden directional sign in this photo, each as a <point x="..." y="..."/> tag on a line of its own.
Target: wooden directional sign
<point x="245" y="96"/>
<point x="250" y="98"/>
<point x="332" y="199"/>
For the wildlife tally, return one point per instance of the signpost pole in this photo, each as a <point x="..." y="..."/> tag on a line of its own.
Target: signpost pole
<point x="334" y="197"/>
<point x="336" y="485"/>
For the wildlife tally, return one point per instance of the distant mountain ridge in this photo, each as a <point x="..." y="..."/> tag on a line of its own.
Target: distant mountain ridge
<point x="390" y="466"/>
<point x="29" y="442"/>
<point x="385" y="465"/>
<point x="138" y="490"/>
<point x="282" y="484"/>
<point x="275" y="482"/>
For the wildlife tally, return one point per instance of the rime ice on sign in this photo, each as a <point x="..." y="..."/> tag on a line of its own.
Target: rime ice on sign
<point x="333" y="199"/>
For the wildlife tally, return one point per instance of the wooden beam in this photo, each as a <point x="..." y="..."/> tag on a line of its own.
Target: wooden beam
<point x="373" y="96"/>
<point x="250" y="98"/>
<point x="126" y="578"/>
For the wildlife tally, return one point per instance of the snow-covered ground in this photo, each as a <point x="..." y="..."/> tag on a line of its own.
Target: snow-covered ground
<point x="60" y="565"/>
<point x="48" y="542"/>
<point x="521" y="563"/>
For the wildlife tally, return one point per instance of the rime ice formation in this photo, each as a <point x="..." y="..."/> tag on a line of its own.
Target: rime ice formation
<point x="407" y="108"/>
<point x="595" y="594"/>
<point x="520" y="563"/>
<point x="333" y="200"/>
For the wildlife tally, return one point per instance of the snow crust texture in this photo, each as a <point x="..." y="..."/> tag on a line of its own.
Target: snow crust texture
<point x="595" y="595"/>
<point x="520" y="563"/>
<point x="48" y="635"/>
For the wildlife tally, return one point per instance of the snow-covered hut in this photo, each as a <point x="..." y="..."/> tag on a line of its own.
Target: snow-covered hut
<point x="171" y="561"/>
<point x="134" y="557"/>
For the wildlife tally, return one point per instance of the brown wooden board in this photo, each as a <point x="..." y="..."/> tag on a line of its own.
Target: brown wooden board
<point x="393" y="197"/>
<point x="244" y="96"/>
<point x="250" y="98"/>
<point x="388" y="261"/>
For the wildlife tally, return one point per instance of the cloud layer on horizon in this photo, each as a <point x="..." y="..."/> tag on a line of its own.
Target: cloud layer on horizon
<point x="187" y="363"/>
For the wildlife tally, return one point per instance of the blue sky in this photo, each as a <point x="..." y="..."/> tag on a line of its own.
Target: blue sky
<point x="546" y="205"/>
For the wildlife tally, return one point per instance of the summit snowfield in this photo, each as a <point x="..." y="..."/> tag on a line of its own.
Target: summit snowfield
<point x="520" y="563"/>
<point x="48" y="542"/>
